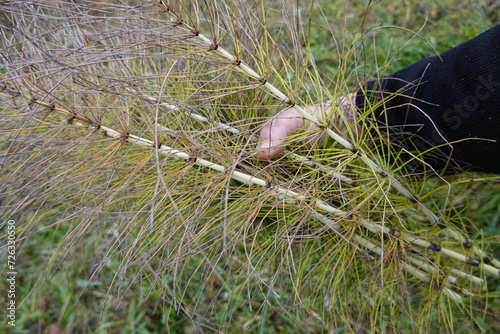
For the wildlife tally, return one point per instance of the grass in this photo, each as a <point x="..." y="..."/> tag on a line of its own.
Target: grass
<point x="115" y="238"/>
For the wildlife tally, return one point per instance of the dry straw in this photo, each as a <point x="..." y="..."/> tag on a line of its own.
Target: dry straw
<point x="180" y="91"/>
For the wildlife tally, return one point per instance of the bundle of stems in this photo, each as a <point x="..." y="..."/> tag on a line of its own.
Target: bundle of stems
<point x="135" y="127"/>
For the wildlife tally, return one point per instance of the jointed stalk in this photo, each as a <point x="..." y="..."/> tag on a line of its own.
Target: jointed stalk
<point x="298" y="199"/>
<point x="301" y="159"/>
<point x="375" y="228"/>
<point x="287" y="101"/>
<point x="129" y="134"/>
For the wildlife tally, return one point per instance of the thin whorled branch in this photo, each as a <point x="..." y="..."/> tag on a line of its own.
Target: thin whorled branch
<point x="172" y="215"/>
<point x="375" y="228"/>
<point x="297" y="199"/>
<point x="283" y="98"/>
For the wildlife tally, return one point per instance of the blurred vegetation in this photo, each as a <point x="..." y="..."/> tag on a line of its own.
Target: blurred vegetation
<point x="63" y="291"/>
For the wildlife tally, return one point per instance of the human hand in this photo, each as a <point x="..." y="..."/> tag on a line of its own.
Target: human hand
<point x="274" y="134"/>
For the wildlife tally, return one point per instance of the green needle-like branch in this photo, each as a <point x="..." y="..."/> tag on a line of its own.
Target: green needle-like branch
<point x="287" y="101"/>
<point x="286" y="195"/>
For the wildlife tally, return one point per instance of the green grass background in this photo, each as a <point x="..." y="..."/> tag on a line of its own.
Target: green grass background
<point x="61" y="298"/>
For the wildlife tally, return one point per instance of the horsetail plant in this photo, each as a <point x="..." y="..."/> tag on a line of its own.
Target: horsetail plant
<point x="129" y="130"/>
<point x="285" y="194"/>
<point x="287" y="101"/>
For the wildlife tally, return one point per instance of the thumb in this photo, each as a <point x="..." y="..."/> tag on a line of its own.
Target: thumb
<point x="274" y="134"/>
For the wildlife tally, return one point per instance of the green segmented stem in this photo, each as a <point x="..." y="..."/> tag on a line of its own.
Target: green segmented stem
<point x="410" y="269"/>
<point x="328" y="208"/>
<point x="277" y="191"/>
<point x="306" y="161"/>
<point x="335" y="136"/>
<point x="377" y="228"/>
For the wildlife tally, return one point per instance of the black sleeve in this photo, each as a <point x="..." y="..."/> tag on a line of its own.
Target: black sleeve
<point x="447" y="106"/>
